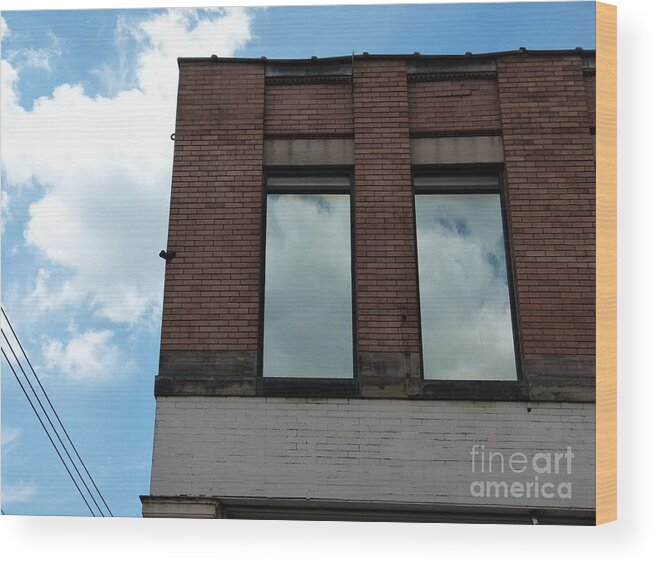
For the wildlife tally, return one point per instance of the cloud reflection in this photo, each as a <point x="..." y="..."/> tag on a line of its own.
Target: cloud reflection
<point x="307" y="301"/>
<point x="465" y="306"/>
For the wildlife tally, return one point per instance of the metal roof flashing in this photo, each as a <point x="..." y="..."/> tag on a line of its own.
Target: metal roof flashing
<point x="411" y="58"/>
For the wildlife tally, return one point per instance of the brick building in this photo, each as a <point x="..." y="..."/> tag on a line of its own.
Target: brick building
<point x="380" y="294"/>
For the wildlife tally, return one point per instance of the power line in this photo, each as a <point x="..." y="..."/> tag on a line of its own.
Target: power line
<point x="63" y="427"/>
<point x="45" y="413"/>
<point x="46" y="430"/>
<point x="54" y="429"/>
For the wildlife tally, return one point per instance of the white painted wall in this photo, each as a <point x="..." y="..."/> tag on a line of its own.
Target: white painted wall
<point x="365" y="450"/>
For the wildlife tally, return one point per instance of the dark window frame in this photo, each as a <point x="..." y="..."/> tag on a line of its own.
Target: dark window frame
<point x="307" y="386"/>
<point x="472" y="389"/>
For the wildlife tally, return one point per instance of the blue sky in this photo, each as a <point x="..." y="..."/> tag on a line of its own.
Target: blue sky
<point x="88" y="104"/>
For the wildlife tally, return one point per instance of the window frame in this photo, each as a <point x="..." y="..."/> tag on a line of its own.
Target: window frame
<point x="307" y="386"/>
<point x="471" y="389"/>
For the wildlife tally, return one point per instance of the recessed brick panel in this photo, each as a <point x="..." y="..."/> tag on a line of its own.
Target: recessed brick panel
<point x="453" y="105"/>
<point x="384" y="226"/>
<point x="309" y="109"/>
<point x="551" y="199"/>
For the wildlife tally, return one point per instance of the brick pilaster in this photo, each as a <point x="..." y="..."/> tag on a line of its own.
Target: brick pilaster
<point x="211" y="298"/>
<point x="551" y="200"/>
<point x="385" y="246"/>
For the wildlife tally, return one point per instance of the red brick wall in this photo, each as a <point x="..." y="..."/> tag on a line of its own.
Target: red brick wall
<point x="384" y="232"/>
<point x="590" y="95"/>
<point x="211" y="293"/>
<point x="314" y="109"/>
<point x="551" y="199"/>
<point x="212" y="289"/>
<point x="453" y="105"/>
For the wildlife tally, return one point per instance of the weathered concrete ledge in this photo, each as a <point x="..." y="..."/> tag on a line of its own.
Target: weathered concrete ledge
<point x="313" y="151"/>
<point x="394" y="375"/>
<point x="259" y="508"/>
<point x="561" y="377"/>
<point x="204" y="363"/>
<point x="457" y="150"/>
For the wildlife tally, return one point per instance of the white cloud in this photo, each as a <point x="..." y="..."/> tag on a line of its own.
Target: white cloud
<point x="32" y="58"/>
<point x="465" y="307"/>
<point x="308" y="274"/>
<point x="4" y="209"/>
<point x="119" y="74"/>
<point x="13" y="493"/>
<point x="186" y="33"/>
<point x="88" y="356"/>
<point x="4" y="29"/>
<point x="105" y="165"/>
<point x="9" y="438"/>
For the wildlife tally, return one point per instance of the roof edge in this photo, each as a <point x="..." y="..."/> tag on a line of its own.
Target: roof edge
<point x="410" y="57"/>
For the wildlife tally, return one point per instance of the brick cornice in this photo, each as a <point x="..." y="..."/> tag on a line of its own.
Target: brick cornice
<point x="423" y="77"/>
<point x="309" y="80"/>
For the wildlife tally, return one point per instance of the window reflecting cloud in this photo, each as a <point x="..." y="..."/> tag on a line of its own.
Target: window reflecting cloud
<point x="307" y="297"/>
<point x="465" y="305"/>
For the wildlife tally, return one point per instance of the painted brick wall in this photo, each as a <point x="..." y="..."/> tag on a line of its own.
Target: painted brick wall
<point x="453" y="105"/>
<point x="551" y="199"/>
<point x="367" y="450"/>
<point x="384" y="232"/>
<point x="309" y="109"/>
<point x="212" y="286"/>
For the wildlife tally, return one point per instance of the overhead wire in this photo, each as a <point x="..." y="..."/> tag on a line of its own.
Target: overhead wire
<point x="54" y="411"/>
<point x="53" y="428"/>
<point x="45" y="429"/>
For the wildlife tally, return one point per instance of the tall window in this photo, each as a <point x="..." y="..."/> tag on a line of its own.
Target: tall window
<point x="308" y="321"/>
<point x="466" y="320"/>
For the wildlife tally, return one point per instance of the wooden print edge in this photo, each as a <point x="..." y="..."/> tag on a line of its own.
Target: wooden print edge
<point x="606" y="290"/>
